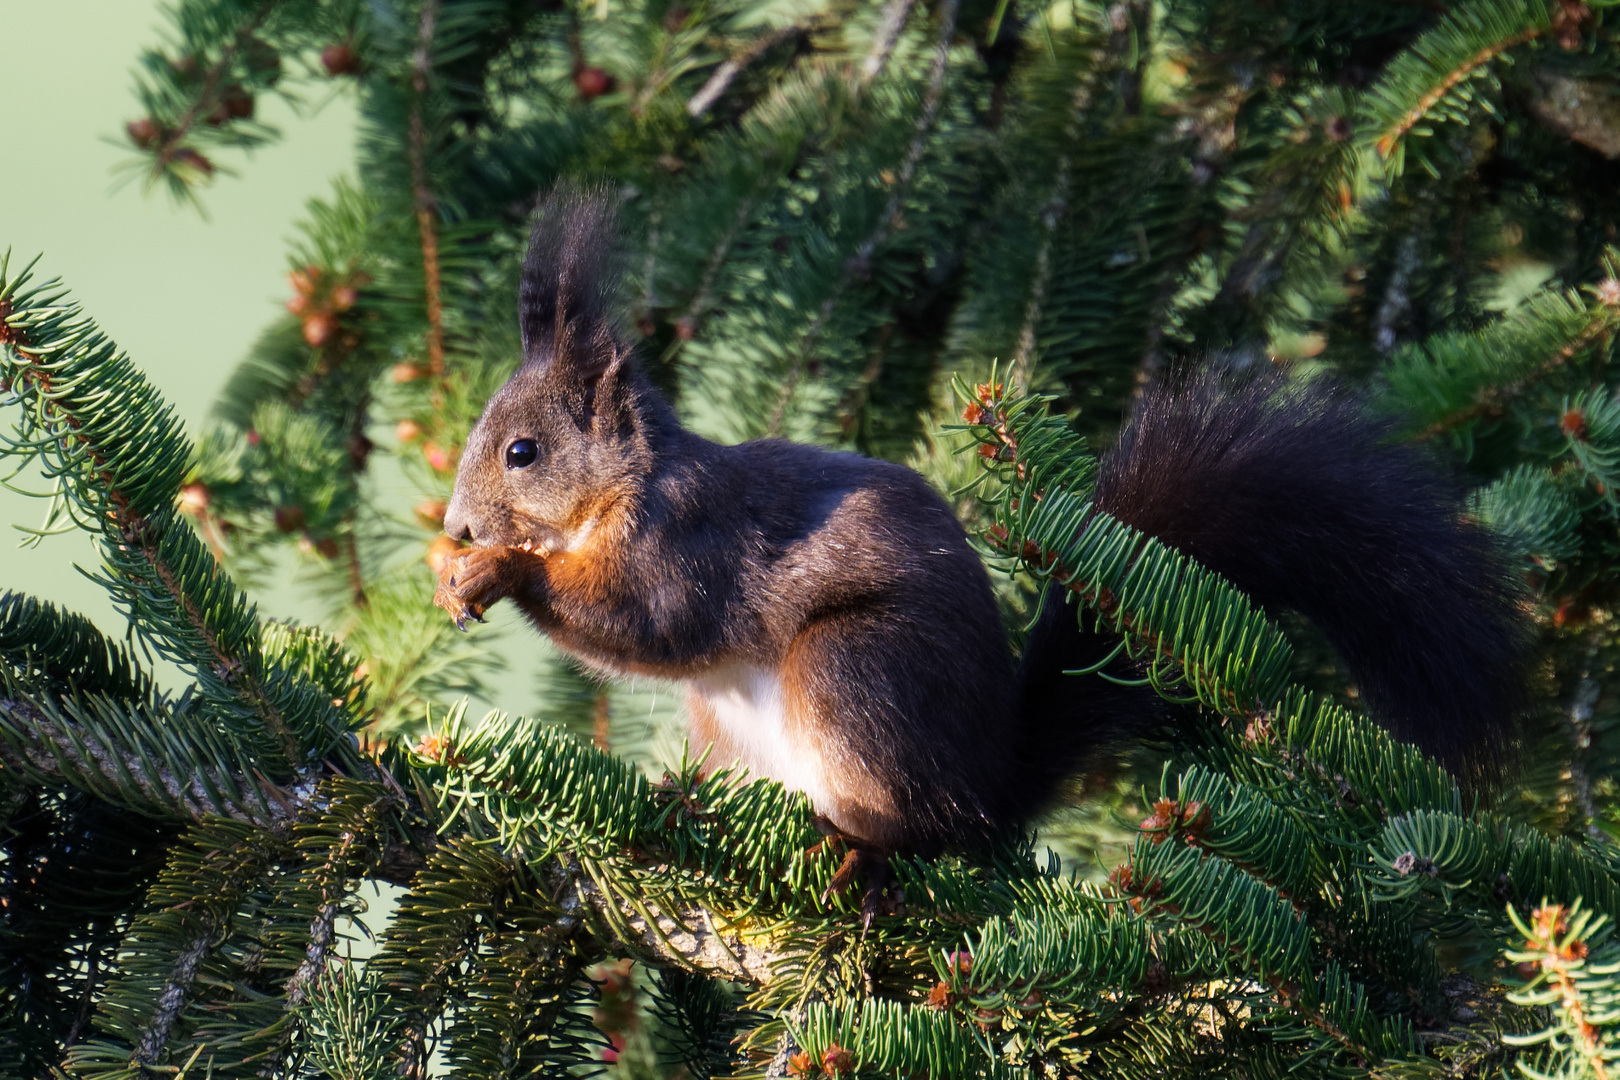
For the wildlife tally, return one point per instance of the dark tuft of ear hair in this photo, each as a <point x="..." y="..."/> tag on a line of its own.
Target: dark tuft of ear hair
<point x="570" y="279"/>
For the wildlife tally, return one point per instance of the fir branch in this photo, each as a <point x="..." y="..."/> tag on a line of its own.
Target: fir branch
<point x="685" y="935"/>
<point x="206" y="99"/>
<point x="1051" y="214"/>
<point x="422" y="195"/>
<point x="736" y="63"/>
<point x="858" y="264"/>
<point x="890" y="25"/>
<point x="96" y="423"/>
<point x="171" y="999"/>
<point x="894" y="1039"/>
<point x="1430" y="77"/>
<point x="165" y="970"/>
<point x="150" y="762"/>
<point x="1479" y="862"/>
<point x="1244" y="916"/>
<point x="1575" y="967"/>
<point x="1451" y="380"/>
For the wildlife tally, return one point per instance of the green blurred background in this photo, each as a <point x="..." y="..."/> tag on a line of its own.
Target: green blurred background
<point x="183" y="294"/>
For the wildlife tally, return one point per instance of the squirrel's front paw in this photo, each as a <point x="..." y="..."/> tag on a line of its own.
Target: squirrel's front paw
<point x="471" y="582"/>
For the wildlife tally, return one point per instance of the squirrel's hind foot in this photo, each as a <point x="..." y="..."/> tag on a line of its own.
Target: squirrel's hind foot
<point x="862" y="861"/>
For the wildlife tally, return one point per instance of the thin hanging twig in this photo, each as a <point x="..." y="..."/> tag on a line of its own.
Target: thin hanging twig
<point x="426" y="204"/>
<point x="860" y="262"/>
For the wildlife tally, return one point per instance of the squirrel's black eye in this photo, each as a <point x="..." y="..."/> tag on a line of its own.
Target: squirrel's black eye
<point x="521" y="454"/>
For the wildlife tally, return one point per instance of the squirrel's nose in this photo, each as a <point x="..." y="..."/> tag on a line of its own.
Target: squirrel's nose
<point x="456" y="523"/>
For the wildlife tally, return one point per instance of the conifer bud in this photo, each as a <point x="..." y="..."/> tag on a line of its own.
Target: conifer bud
<point x="340" y="60"/>
<point x="289" y="518"/>
<point x="1573" y="424"/>
<point x="430" y="514"/>
<point x="194" y="498"/>
<point x="439" y="553"/>
<point x="191" y="159"/>
<point x="235" y="103"/>
<point x="143" y="132"/>
<point x="304" y="281"/>
<point x="437" y="749"/>
<point x="592" y="82"/>
<point x="439" y="458"/>
<point x="407" y="431"/>
<point x="319" y="326"/>
<point x="836" y="1061"/>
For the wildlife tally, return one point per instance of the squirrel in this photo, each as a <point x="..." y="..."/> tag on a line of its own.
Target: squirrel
<point x="833" y="627"/>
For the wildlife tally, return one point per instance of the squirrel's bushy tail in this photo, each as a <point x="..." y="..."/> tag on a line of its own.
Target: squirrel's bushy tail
<point x="1302" y="499"/>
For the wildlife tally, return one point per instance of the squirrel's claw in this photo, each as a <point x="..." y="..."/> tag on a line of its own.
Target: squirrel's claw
<point x="882" y="894"/>
<point x="470" y="582"/>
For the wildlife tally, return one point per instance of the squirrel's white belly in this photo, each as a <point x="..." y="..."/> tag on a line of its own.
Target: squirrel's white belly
<point x="752" y="724"/>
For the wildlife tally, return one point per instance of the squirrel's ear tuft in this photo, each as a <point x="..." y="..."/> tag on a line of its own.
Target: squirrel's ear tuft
<point x="570" y="279"/>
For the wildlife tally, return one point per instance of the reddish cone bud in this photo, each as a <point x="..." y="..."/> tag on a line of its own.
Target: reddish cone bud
<point x="836" y="1061"/>
<point x="319" y="327"/>
<point x="304" y="281"/>
<point x="289" y="518"/>
<point x="407" y="431"/>
<point x="440" y="552"/>
<point x="592" y="82"/>
<point x="235" y="103"/>
<point x="343" y="297"/>
<point x="1573" y="424"/>
<point x="403" y="373"/>
<point x="430" y="514"/>
<point x="191" y="159"/>
<point x="340" y="60"/>
<point x="438" y="458"/>
<point x="143" y="133"/>
<point x="194" y="498"/>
